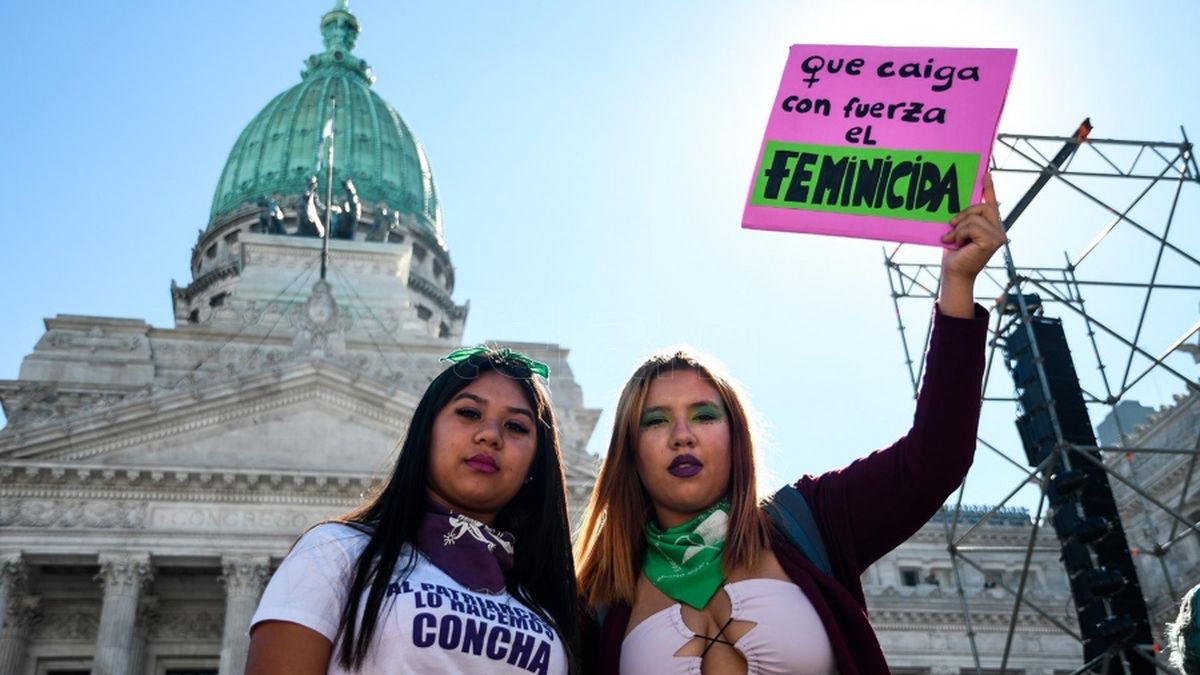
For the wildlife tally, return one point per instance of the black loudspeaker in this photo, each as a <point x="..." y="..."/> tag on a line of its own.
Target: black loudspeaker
<point x="1108" y="599"/>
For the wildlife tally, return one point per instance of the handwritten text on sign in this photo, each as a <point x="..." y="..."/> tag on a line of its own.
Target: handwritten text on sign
<point x="878" y="142"/>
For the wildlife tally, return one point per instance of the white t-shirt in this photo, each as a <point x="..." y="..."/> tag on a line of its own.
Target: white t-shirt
<point x="429" y="624"/>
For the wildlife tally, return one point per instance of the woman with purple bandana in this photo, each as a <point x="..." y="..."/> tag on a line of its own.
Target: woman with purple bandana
<point x="460" y="564"/>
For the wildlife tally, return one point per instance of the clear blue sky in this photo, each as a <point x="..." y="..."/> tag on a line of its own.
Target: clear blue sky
<point x="592" y="159"/>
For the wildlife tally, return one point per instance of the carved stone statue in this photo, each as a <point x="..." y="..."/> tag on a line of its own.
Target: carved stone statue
<point x="385" y="224"/>
<point x="270" y="220"/>
<point x="310" y="216"/>
<point x="349" y="213"/>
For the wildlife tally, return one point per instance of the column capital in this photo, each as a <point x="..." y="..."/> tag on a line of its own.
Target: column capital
<point x="124" y="573"/>
<point x="14" y="573"/>
<point x="245" y="574"/>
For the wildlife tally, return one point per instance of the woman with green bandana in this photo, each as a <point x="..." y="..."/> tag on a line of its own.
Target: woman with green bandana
<point x="684" y="571"/>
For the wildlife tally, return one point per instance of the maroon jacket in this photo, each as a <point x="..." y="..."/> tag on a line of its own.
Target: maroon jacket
<point x="871" y="506"/>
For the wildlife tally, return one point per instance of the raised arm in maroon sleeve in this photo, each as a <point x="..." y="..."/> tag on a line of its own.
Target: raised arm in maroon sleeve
<point x="869" y="507"/>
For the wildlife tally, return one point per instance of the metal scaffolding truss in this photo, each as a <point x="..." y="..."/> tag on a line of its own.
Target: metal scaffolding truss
<point x="1135" y="241"/>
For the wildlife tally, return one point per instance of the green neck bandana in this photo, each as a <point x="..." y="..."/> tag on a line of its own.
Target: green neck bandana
<point x="684" y="562"/>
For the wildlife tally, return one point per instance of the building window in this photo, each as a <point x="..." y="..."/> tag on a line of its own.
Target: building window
<point x="419" y="253"/>
<point x="218" y="299"/>
<point x="194" y="316"/>
<point x="211" y="252"/>
<point x="910" y="577"/>
<point x="424" y="313"/>
<point x="992" y="578"/>
<point x="231" y="238"/>
<point x="437" y="268"/>
<point x="443" y="330"/>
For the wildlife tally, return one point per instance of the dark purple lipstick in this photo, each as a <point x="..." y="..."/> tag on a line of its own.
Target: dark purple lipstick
<point x="685" y="466"/>
<point x="483" y="463"/>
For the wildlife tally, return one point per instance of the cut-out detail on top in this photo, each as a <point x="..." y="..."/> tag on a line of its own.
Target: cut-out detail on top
<point x="699" y="645"/>
<point x="775" y="631"/>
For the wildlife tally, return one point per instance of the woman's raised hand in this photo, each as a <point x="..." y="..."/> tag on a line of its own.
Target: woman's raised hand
<point x="976" y="233"/>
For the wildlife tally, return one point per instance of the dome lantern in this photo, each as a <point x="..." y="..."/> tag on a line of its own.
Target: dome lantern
<point x="339" y="28"/>
<point x="339" y="33"/>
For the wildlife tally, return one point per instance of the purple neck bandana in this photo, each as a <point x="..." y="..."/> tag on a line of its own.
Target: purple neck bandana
<point x="468" y="551"/>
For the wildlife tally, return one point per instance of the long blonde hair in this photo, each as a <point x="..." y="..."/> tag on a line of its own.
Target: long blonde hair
<point x="610" y="545"/>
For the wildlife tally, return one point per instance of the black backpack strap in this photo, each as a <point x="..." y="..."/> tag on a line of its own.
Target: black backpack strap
<point x="790" y="513"/>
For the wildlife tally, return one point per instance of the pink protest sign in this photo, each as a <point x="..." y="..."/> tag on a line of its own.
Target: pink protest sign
<point x="878" y="142"/>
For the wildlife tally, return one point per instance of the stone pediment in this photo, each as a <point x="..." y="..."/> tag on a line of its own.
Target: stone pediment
<point x="308" y="415"/>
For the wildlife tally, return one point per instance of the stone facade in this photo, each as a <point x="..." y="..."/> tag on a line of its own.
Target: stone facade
<point x="926" y="626"/>
<point x="150" y="478"/>
<point x="1167" y="548"/>
<point x="143" y="502"/>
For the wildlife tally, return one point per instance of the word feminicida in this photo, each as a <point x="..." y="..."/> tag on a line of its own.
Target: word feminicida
<point x="859" y="180"/>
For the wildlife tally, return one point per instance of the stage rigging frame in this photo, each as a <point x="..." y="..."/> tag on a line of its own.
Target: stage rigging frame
<point x="1072" y="163"/>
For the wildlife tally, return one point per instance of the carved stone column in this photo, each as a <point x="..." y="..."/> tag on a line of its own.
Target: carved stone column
<point x="13" y="579"/>
<point x="244" y="578"/>
<point x="22" y="612"/>
<point x="123" y="576"/>
<point x="147" y="615"/>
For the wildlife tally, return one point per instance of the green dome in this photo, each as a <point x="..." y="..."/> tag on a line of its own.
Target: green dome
<point x="278" y="150"/>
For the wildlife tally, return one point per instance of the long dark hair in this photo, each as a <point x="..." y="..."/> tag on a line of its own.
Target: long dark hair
<point x="543" y="573"/>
